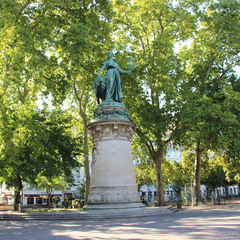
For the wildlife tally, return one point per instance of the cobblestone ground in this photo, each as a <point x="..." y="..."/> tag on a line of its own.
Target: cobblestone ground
<point x="205" y="222"/>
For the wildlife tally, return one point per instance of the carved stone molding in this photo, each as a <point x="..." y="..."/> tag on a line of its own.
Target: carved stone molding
<point x="103" y="130"/>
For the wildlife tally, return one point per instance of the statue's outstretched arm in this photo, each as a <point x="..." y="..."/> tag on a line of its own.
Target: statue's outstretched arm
<point x="125" y="71"/>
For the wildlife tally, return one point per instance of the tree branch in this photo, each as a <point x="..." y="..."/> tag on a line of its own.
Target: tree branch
<point x="6" y="75"/>
<point x="145" y="31"/>
<point x="79" y="99"/>
<point x="147" y="144"/>
<point x="206" y="75"/>
<point x="154" y="33"/>
<point x="22" y="9"/>
<point x="169" y="22"/>
<point x="75" y="90"/>
<point x="143" y="46"/>
<point x="36" y="24"/>
<point x="159" y="20"/>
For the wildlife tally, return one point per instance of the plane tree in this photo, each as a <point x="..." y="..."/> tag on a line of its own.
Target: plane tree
<point x="205" y="112"/>
<point x="79" y="50"/>
<point x="49" y="48"/>
<point x="37" y="144"/>
<point x="147" y="31"/>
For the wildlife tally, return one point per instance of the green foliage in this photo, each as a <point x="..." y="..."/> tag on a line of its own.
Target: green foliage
<point x="184" y="80"/>
<point x="180" y="173"/>
<point x="216" y="178"/>
<point x="37" y="143"/>
<point x="208" y="64"/>
<point x="230" y="165"/>
<point x="56" y="183"/>
<point x="205" y="119"/>
<point x="47" y="47"/>
<point x="145" y="174"/>
<point x="147" y="31"/>
<point x="81" y="189"/>
<point x="175" y="176"/>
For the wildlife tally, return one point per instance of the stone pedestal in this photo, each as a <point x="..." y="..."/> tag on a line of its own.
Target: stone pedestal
<point x="113" y="183"/>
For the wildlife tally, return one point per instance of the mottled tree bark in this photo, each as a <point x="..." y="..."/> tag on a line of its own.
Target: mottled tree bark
<point x="159" y="178"/>
<point x="86" y="163"/>
<point x="18" y="189"/>
<point x="197" y="179"/>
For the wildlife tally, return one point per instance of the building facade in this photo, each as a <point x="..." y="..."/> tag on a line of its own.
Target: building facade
<point x="31" y="196"/>
<point x="6" y="195"/>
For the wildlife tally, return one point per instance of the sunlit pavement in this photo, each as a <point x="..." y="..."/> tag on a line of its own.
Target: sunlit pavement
<point x="205" y="222"/>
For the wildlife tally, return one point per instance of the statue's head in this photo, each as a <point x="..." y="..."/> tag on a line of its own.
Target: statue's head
<point x="110" y="54"/>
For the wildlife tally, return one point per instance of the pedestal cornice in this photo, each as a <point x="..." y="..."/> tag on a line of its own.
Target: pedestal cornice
<point x="103" y="130"/>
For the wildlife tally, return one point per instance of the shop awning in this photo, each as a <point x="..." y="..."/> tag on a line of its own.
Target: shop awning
<point x="42" y="195"/>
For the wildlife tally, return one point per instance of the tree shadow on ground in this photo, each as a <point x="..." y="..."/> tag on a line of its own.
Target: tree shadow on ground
<point x="220" y="222"/>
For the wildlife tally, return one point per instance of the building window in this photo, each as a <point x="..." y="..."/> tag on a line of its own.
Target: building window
<point x="30" y="200"/>
<point x="68" y="196"/>
<point x="143" y="194"/>
<point x="39" y="200"/>
<point x="78" y="173"/>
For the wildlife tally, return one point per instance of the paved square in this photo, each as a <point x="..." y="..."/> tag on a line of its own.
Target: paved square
<point x="214" y="222"/>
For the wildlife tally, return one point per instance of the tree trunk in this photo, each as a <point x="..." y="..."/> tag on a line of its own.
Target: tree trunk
<point x="82" y="113"/>
<point x="49" y="196"/>
<point x="226" y="190"/>
<point x="86" y="162"/>
<point x="159" y="178"/>
<point x="157" y="157"/>
<point x="197" y="180"/>
<point x="17" y="193"/>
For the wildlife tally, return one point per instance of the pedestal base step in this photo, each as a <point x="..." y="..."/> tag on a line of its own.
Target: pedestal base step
<point x="87" y="215"/>
<point x="114" y="206"/>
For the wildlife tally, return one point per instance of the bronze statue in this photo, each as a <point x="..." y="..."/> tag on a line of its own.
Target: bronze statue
<point x="110" y="87"/>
